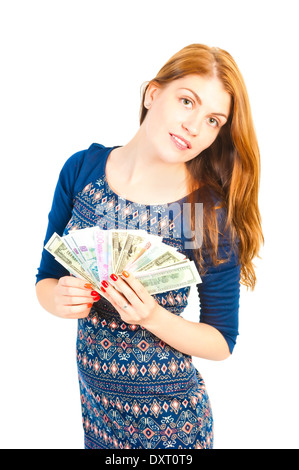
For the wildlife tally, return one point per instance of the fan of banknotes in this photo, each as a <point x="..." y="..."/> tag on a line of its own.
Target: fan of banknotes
<point x="93" y="254"/>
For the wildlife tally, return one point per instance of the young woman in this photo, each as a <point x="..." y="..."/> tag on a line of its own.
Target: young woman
<point x="196" y="144"/>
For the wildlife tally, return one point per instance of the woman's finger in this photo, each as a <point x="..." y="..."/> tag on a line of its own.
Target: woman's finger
<point x="73" y="300"/>
<point x="75" y="282"/>
<point x="74" y="311"/>
<point x="76" y="288"/>
<point x="136" y="286"/>
<point x="113" y="294"/>
<point x="126" y="289"/>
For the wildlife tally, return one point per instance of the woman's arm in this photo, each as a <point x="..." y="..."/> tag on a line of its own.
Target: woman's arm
<point x="195" y="339"/>
<point x="45" y="294"/>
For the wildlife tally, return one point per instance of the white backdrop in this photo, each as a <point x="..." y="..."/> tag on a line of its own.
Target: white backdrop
<point x="71" y="75"/>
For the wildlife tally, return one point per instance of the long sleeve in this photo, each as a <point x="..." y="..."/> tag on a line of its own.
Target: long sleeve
<point x="60" y="215"/>
<point x="219" y="292"/>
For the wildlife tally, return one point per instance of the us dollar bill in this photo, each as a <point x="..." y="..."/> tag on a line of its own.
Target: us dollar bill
<point x="151" y="254"/>
<point x="169" y="278"/>
<point x="65" y="257"/>
<point x="132" y="245"/>
<point x="93" y="254"/>
<point x="167" y="258"/>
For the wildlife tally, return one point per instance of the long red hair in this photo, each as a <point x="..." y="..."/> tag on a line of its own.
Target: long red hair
<point x="230" y="167"/>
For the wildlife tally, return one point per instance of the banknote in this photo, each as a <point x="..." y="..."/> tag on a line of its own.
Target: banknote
<point x="117" y="241"/>
<point x="169" y="278"/>
<point x="154" y="252"/>
<point x="139" y="247"/>
<point x="82" y="244"/>
<point x="133" y="244"/>
<point x="61" y="252"/>
<point x="101" y="248"/>
<point x="139" y="252"/>
<point x="66" y="258"/>
<point x="167" y="258"/>
<point x="93" y="254"/>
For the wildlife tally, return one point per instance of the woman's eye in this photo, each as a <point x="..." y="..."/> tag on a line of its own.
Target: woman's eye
<point x="187" y="102"/>
<point x="213" y="122"/>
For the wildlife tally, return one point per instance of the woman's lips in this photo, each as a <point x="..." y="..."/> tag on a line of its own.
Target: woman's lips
<point x="180" y="142"/>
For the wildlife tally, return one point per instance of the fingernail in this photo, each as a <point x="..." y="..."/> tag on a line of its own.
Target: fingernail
<point x="102" y="288"/>
<point x="96" y="297"/>
<point x="125" y="273"/>
<point x="114" y="277"/>
<point x="88" y="286"/>
<point x="105" y="283"/>
<point x="89" y="305"/>
<point x="93" y="292"/>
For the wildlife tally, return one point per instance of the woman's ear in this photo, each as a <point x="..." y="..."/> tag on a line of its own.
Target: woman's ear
<point x="151" y="94"/>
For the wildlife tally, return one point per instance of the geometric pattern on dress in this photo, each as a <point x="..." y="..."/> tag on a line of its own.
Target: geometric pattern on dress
<point x="137" y="392"/>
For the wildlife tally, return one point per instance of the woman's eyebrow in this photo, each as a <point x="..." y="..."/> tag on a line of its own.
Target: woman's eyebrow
<point x="200" y="102"/>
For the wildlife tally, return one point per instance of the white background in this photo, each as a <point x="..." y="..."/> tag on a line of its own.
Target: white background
<point x="71" y="75"/>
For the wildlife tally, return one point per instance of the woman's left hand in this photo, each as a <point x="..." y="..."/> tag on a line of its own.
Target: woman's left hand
<point x="141" y="306"/>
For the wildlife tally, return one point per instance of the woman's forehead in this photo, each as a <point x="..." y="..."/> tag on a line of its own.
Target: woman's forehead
<point x="203" y="87"/>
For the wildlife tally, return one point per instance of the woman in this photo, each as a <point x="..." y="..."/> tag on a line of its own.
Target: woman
<point x="196" y="144"/>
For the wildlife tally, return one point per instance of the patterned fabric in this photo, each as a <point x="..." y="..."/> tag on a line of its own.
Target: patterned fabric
<point x="136" y="391"/>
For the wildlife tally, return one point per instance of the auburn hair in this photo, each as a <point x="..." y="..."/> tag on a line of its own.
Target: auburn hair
<point x="229" y="170"/>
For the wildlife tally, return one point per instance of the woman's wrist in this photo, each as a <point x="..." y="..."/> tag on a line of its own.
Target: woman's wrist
<point x="152" y="321"/>
<point x="191" y="338"/>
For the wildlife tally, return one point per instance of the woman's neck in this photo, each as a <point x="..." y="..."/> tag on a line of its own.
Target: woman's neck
<point x="142" y="160"/>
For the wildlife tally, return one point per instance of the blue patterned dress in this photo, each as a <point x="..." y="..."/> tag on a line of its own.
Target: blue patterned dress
<point x="137" y="392"/>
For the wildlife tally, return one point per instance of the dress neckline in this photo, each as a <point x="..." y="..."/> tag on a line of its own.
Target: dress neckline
<point x="127" y="200"/>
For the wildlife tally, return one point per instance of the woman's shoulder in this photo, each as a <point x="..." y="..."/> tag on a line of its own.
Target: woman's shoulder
<point x="82" y="166"/>
<point x="91" y="154"/>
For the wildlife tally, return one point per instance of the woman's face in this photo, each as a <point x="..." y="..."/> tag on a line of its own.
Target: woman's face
<point x="185" y="117"/>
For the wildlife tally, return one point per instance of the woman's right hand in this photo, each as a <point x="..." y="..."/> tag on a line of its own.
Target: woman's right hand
<point x="74" y="297"/>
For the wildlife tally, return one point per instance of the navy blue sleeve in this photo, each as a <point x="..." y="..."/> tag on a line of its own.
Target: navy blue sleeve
<point x="219" y="292"/>
<point x="59" y="215"/>
<point x="219" y="295"/>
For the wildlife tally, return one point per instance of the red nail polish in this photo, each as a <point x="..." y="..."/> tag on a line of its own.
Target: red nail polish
<point x="102" y="288"/>
<point x="96" y="298"/>
<point x="105" y="283"/>
<point x="93" y="292"/>
<point x="114" y="277"/>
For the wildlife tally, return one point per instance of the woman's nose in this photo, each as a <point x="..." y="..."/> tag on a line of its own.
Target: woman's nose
<point x="190" y="129"/>
<point x="192" y="126"/>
